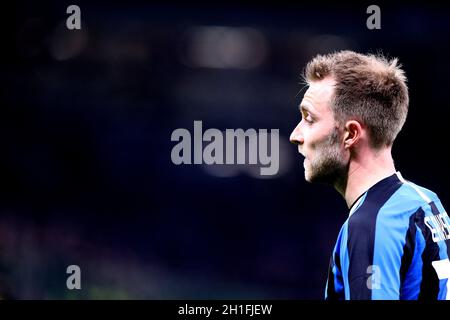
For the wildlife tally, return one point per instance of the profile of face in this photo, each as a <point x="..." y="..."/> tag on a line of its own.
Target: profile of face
<point x="318" y="137"/>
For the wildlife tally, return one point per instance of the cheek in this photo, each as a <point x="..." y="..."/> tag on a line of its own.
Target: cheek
<point x="315" y="140"/>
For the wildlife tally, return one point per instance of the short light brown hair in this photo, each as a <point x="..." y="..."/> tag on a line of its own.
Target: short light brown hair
<point x="369" y="88"/>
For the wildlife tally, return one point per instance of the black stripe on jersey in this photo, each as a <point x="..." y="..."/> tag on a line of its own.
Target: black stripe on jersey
<point x="408" y="250"/>
<point x="435" y="211"/>
<point x="361" y="236"/>
<point x="429" y="287"/>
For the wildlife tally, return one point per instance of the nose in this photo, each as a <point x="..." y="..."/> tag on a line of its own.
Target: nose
<point x="296" y="136"/>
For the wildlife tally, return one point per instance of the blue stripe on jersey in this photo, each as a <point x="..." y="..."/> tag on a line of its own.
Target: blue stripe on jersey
<point x="410" y="288"/>
<point x="334" y="289"/>
<point x="344" y="259"/>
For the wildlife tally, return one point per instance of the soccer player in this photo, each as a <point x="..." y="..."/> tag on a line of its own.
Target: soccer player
<point x="395" y="241"/>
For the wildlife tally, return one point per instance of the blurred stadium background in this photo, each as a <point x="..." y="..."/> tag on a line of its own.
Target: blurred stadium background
<point x="86" y="118"/>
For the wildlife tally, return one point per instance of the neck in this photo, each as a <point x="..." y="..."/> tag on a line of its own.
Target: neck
<point x="365" y="170"/>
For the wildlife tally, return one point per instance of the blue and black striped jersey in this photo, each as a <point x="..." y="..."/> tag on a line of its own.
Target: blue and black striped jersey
<point x="394" y="245"/>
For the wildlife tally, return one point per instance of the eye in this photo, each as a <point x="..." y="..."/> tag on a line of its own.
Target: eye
<point x="307" y="117"/>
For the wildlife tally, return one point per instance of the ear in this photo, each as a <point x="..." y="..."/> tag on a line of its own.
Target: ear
<point x="352" y="133"/>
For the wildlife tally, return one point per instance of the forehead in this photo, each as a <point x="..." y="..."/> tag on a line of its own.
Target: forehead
<point x="319" y="94"/>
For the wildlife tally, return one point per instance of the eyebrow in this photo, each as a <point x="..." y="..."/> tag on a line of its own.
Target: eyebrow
<point x="302" y="107"/>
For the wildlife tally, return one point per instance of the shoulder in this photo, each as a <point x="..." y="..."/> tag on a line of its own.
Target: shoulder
<point x="396" y="201"/>
<point x="411" y="197"/>
<point x="407" y="201"/>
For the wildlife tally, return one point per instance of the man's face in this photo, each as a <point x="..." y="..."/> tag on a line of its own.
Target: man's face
<point x="317" y="136"/>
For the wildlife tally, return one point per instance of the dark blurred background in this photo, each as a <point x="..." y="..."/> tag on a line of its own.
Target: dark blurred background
<point x="86" y="118"/>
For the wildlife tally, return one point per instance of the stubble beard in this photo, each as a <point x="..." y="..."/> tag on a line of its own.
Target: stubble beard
<point x="328" y="166"/>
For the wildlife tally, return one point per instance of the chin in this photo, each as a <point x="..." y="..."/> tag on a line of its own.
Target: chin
<point x="308" y="177"/>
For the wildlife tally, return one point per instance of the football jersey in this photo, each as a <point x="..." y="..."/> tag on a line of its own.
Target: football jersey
<point x="394" y="245"/>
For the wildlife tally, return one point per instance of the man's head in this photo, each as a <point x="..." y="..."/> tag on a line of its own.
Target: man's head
<point x="352" y="100"/>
